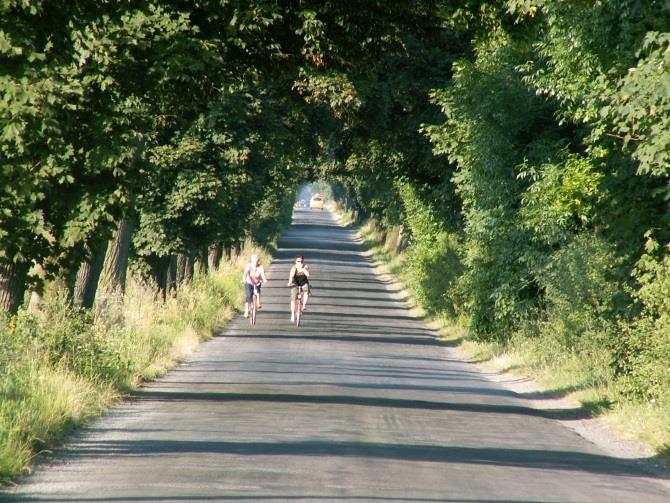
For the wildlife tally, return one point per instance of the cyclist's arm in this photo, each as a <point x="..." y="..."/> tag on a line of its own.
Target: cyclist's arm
<point x="291" y="275"/>
<point x="245" y="273"/>
<point x="306" y="270"/>
<point x="263" y="278"/>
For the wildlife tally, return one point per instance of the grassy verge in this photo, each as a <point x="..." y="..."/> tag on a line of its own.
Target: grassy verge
<point x="62" y="367"/>
<point x="581" y="376"/>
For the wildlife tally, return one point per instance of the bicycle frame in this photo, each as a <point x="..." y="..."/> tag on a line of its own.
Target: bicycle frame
<point x="254" y="307"/>
<point x="297" y="306"/>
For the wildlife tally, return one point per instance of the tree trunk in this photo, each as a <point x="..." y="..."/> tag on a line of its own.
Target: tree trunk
<point x="12" y="285"/>
<point x="88" y="275"/>
<point x="184" y="268"/>
<point x="158" y="270"/>
<point x="214" y="256"/>
<point x="181" y="269"/>
<point x="399" y="244"/>
<point x="237" y="249"/>
<point x="115" y="267"/>
<point x="172" y="283"/>
<point x="37" y="293"/>
<point x="35" y="301"/>
<point x="202" y="261"/>
<point x="190" y="268"/>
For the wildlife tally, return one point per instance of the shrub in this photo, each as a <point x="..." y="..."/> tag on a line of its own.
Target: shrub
<point x="433" y="262"/>
<point x="432" y="271"/>
<point x="643" y="350"/>
<point x="67" y="338"/>
<point x="582" y="292"/>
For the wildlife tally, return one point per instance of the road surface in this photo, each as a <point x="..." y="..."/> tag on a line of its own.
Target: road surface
<point x="361" y="403"/>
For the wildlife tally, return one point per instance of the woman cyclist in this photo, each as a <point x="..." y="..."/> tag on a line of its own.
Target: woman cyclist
<point x="253" y="277"/>
<point x="298" y="278"/>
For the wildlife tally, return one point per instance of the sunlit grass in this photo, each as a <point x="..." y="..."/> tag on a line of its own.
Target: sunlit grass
<point x="39" y="405"/>
<point x="344" y="216"/>
<point x="653" y="425"/>
<point x="62" y="368"/>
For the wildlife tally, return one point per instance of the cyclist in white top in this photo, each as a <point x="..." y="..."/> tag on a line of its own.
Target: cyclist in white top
<point x="253" y="277"/>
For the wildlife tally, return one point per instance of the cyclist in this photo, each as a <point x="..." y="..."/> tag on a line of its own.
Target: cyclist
<point x="298" y="278"/>
<point x="253" y="277"/>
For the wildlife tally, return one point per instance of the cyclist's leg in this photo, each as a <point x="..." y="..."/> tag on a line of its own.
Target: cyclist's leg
<point x="305" y="295"/>
<point x="249" y="297"/>
<point x="258" y="291"/>
<point x="298" y="307"/>
<point x="294" y="295"/>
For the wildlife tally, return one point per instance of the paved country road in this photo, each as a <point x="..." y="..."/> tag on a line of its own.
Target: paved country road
<point x="358" y="404"/>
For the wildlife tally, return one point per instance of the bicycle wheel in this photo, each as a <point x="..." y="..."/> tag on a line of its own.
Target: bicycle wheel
<point x="252" y="315"/>
<point x="298" y="309"/>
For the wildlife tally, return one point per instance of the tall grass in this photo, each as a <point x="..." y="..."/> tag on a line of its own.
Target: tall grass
<point x="63" y="366"/>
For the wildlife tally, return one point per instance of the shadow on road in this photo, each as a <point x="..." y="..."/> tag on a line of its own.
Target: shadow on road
<point x="360" y="401"/>
<point x="268" y="497"/>
<point x="524" y="458"/>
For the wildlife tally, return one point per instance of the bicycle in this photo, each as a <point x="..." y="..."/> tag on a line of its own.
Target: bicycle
<point x="297" y="305"/>
<point x="254" y="307"/>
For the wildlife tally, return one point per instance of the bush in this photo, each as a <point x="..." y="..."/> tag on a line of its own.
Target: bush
<point x="432" y="272"/>
<point x="582" y="293"/>
<point x="643" y="350"/>
<point x="576" y="324"/>
<point x="432" y="262"/>
<point x="67" y="338"/>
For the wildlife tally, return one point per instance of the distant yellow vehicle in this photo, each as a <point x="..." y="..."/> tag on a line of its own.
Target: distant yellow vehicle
<point x="316" y="202"/>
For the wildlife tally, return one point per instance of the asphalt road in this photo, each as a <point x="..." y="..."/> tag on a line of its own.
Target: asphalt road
<point x="358" y="404"/>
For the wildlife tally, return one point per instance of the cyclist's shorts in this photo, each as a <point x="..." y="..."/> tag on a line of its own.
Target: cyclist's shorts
<point x="294" y="291"/>
<point x="250" y="291"/>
